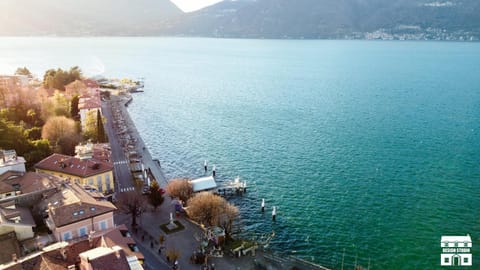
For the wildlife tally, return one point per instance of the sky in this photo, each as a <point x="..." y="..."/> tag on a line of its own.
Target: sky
<point x="191" y="5"/>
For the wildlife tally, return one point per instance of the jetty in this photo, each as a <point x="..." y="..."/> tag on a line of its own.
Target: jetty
<point x="235" y="187"/>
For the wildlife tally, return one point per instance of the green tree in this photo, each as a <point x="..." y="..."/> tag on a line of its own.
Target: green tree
<point x="101" y="136"/>
<point x="74" y="111"/>
<point x="155" y="198"/>
<point x="94" y="129"/>
<point x="34" y="133"/>
<point x="89" y="128"/>
<point x="39" y="149"/>
<point x="12" y="137"/>
<point x="23" y="71"/>
<point x="57" y="105"/>
<point x="59" y="78"/>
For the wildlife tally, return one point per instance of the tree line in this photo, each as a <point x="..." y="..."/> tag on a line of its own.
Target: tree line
<point x="36" y="126"/>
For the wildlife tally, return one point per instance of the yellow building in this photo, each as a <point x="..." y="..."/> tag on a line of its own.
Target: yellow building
<point x="90" y="172"/>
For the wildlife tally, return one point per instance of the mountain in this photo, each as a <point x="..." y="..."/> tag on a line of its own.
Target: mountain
<point x="336" y="19"/>
<point x="409" y="19"/>
<point x="83" y="17"/>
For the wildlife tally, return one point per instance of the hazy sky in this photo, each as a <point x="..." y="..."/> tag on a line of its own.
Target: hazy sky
<point x="191" y="5"/>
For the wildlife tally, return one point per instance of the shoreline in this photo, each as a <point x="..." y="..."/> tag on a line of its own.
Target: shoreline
<point x="262" y="258"/>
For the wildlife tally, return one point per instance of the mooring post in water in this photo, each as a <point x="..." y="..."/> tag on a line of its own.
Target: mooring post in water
<point x="263" y="205"/>
<point x="274" y="213"/>
<point x="205" y="165"/>
<point x="213" y="171"/>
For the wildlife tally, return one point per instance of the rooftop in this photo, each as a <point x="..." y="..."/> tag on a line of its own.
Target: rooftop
<point x="74" y="166"/>
<point x="73" y="204"/>
<point x="27" y="182"/>
<point x="10" y="158"/>
<point x="204" y="183"/>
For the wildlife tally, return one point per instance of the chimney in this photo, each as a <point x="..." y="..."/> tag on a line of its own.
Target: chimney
<point x="117" y="254"/>
<point x="14" y="257"/>
<point x="90" y="238"/>
<point x="51" y="208"/>
<point x="64" y="253"/>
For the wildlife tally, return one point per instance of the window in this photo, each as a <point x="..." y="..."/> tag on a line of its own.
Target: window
<point x="99" y="183"/>
<point x="465" y="244"/>
<point x="67" y="236"/>
<point x="107" y="182"/>
<point x="446" y="260"/>
<point x="90" y="181"/>
<point x="82" y="231"/>
<point x="103" y="225"/>
<point x="465" y="260"/>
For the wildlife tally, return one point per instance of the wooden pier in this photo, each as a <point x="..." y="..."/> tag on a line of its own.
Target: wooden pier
<point x="235" y="187"/>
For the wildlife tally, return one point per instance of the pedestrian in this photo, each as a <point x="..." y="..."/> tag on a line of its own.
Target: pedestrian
<point x="160" y="250"/>
<point x="151" y="244"/>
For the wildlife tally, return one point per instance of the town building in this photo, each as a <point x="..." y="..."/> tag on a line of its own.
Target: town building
<point x="27" y="188"/>
<point x="73" y="213"/>
<point x="89" y="105"/>
<point x="90" y="172"/>
<point x="16" y="219"/>
<point x="204" y="184"/>
<point x="9" y="161"/>
<point x="102" y="250"/>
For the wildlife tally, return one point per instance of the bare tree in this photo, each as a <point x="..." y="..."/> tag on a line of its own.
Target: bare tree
<point x="180" y="188"/>
<point x="228" y="215"/>
<point x="61" y="132"/>
<point x="133" y="204"/>
<point x="212" y="210"/>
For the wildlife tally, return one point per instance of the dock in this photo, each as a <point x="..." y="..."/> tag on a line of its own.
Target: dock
<point x="235" y="187"/>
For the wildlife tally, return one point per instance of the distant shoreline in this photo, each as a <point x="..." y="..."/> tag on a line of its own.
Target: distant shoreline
<point x="238" y="38"/>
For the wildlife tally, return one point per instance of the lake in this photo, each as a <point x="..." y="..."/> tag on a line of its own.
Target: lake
<point x="370" y="150"/>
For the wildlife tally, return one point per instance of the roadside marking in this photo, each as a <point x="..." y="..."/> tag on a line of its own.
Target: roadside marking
<point x="120" y="162"/>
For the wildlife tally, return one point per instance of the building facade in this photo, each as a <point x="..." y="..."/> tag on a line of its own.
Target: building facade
<point x="73" y="213"/>
<point x="90" y="172"/>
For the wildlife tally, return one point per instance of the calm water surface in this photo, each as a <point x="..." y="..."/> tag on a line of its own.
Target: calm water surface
<point x="371" y="149"/>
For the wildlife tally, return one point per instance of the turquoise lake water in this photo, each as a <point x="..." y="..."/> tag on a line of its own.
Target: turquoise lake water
<point x="368" y="149"/>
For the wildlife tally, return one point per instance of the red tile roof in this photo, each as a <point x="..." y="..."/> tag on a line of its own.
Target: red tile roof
<point x="74" y="166"/>
<point x="90" y="83"/>
<point x="28" y="182"/>
<point x="74" y="204"/>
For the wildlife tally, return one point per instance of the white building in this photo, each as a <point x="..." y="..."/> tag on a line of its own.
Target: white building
<point x="9" y="161"/>
<point x="456" y="250"/>
<point x="203" y="184"/>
